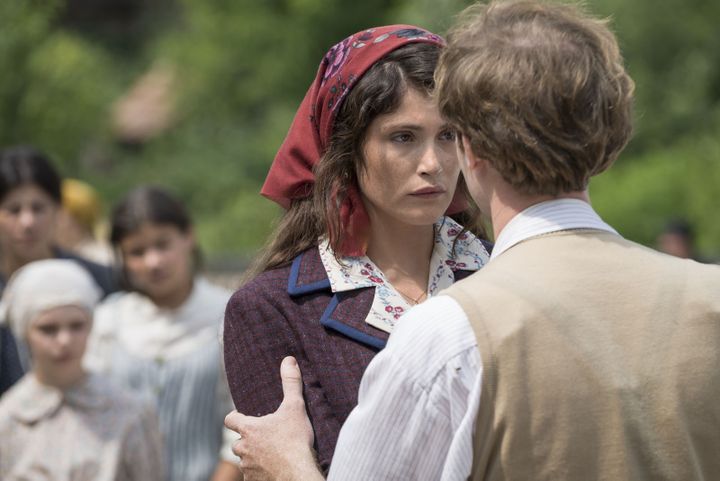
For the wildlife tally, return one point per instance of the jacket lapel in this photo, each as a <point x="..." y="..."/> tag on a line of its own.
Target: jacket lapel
<point x="346" y="311"/>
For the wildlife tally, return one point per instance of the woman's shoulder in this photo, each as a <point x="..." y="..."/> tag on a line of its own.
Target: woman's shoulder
<point x="265" y="286"/>
<point x="274" y="278"/>
<point x="102" y="274"/>
<point x="12" y="402"/>
<point x="111" y="397"/>
<point x="211" y="292"/>
<point x="13" y="398"/>
<point x="277" y="283"/>
<point x="118" y="311"/>
<point x="117" y="301"/>
<point x="111" y="409"/>
<point x="280" y="297"/>
<point x="120" y="298"/>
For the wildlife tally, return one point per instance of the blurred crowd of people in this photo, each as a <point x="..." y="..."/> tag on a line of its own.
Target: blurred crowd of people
<point x="110" y="364"/>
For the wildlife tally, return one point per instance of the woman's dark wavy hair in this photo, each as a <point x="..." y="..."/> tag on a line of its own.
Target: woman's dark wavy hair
<point x="25" y="165"/>
<point x="379" y="91"/>
<point x="147" y="204"/>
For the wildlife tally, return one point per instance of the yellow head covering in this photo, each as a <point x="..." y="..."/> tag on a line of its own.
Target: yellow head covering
<point x="82" y="202"/>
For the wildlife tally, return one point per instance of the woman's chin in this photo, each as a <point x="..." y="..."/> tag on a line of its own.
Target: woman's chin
<point x="62" y="374"/>
<point x="425" y="216"/>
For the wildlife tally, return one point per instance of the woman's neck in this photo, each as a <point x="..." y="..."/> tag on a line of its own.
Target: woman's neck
<point x="174" y="299"/>
<point x="402" y="253"/>
<point x="62" y="381"/>
<point x="10" y="264"/>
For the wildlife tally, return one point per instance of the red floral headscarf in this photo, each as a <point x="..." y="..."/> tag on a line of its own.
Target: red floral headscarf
<point x="291" y="173"/>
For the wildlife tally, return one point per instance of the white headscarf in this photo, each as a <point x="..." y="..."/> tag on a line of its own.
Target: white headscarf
<point x="42" y="285"/>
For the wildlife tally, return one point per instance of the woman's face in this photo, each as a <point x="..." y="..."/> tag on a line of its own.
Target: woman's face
<point x="411" y="168"/>
<point x="158" y="259"/>
<point x="57" y="338"/>
<point x="27" y="224"/>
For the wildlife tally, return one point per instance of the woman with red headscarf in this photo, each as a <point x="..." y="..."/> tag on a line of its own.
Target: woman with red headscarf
<point x="368" y="176"/>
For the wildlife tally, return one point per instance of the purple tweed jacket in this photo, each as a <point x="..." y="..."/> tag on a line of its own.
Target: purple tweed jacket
<point x="292" y="311"/>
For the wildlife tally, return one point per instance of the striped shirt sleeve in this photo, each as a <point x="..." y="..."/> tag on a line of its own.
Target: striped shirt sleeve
<point x="418" y="402"/>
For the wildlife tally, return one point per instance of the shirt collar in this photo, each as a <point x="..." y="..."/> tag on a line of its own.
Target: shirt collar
<point x="33" y="400"/>
<point x="151" y="331"/>
<point x="359" y="272"/>
<point x="548" y="217"/>
<point x="469" y="254"/>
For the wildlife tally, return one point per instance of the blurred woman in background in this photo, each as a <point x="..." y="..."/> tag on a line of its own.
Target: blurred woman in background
<point x="59" y="422"/>
<point x="30" y="198"/>
<point x="160" y="336"/>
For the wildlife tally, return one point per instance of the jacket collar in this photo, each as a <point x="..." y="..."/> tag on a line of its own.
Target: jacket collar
<point x="307" y="275"/>
<point x="317" y="270"/>
<point x="389" y="305"/>
<point x="31" y="401"/>
<point x="343" y="313"/>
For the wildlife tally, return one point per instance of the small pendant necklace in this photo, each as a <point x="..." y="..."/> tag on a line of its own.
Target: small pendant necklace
<point x="412" y="300"/>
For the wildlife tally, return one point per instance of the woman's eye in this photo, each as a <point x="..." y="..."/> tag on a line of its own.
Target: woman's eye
<point x="38" y="208"/>
<point x="162" y="244"/>
<point x="12" y="209"/>
<point x="77" y="326"/>
<point x="48" y="330"/>
<point x="402" y="137"/>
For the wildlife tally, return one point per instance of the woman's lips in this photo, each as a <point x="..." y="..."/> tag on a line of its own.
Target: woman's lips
<point x="64" y="358"/>
<point x="428" y="192"/>
<point x="159" y="277"/>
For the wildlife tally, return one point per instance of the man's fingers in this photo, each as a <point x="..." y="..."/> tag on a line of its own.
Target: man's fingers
<point x="238" y="448"/>
<point x="234" y="421"/>
<point x="291" y="380"/>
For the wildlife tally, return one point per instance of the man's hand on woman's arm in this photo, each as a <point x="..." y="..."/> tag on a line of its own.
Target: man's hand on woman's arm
<point x="277" y="446"/>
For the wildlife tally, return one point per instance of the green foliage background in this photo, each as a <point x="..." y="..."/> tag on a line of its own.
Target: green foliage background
<point x="243" y="66"/>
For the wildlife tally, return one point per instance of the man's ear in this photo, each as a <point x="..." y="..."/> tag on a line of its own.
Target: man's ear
<point x="460" y="146"/>
<point x="471" y="160"/>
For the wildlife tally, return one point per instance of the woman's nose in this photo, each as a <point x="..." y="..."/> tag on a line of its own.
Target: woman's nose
<point x="153" y="258"/>
<point x="27" y="218"/>
<point x="64" y="337"/>
<point x="430" y="163"/>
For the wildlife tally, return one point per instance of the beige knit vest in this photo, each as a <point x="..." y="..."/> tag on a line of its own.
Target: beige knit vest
<point x="601" y="361"/>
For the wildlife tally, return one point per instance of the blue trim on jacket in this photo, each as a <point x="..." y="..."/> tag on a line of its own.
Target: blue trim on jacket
<point x="327" y="321"/>
<point x="299" y="290"/>
<point x="295" y="289"/>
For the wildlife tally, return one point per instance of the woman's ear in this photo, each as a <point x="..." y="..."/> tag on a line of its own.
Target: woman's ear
<point x="190" y="236"/>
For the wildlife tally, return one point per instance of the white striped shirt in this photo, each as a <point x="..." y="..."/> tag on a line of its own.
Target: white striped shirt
<point x="545" y="218"/>
<point x="420" y="396"/>
<point x="172" y="357"/>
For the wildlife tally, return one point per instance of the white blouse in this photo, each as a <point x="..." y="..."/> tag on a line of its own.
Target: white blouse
<point x="93" y="431"/>
<point x="171" y="357"/>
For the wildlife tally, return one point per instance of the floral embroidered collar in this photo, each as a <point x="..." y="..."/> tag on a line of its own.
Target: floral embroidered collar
<point x="388" y="305"/>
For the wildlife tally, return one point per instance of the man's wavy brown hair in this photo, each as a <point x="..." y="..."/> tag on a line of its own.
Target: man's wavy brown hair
<point x="540" y="91"/>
